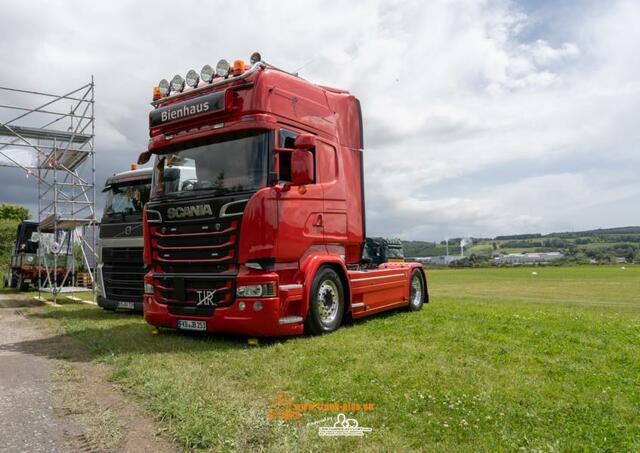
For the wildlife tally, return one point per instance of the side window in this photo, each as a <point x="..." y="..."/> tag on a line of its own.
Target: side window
<point x="286" y="139"/>
<point x="326" y="162"/>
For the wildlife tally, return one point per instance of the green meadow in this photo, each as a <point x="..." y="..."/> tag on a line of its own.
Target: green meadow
<point x="501" y="359"/>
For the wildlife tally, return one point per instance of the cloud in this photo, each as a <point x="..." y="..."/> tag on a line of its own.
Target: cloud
<point x="480" y="117"/>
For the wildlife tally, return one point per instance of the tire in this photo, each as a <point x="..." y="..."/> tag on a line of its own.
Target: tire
<point x="326" y="302"/>
<point x="22" y="285"/>
<point x="417" y="290"/>
<point x="13" y="283"/>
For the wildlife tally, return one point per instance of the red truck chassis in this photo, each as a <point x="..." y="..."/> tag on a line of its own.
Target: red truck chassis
<point x="281" y="259"/>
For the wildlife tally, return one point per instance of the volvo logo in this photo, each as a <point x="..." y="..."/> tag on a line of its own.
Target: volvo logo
<point x="189" y="211"/>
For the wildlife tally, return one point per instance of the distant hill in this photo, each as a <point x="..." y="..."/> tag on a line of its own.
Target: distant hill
<point x="599" y="232"/>
<point x="602" y="245"/>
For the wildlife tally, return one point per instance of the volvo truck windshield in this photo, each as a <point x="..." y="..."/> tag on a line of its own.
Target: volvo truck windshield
<point x="121" y="269"/>
<point x="126" y="198"/>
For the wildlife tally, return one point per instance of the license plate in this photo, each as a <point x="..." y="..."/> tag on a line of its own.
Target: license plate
<point x="188" y="324"/>
<point x="128" y="305"/>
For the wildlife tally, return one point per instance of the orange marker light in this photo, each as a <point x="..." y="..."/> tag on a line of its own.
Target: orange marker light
<point x="238" y="67"/>
<point x="156" y="93"/>
<point x="133" y="166"/>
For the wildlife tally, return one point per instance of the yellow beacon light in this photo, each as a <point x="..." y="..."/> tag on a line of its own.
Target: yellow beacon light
<point x="238" y="67"/>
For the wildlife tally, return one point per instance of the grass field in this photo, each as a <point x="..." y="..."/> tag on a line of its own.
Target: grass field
<point x="500" y="360"/>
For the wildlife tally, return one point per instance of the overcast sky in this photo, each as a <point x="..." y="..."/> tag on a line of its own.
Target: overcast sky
<point x="481" y="117"/>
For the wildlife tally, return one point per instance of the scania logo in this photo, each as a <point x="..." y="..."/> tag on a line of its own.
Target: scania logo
<point x="189" y="211"/>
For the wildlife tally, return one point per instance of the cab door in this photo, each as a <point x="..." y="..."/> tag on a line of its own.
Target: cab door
<point x="335" y="207"/>
<point x="300" y="209"/>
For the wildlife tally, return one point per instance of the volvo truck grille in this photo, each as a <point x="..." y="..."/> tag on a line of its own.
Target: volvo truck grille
<point x="123" y="273"/>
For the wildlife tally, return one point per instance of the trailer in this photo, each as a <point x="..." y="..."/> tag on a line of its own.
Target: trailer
<point x="256" y="220"/>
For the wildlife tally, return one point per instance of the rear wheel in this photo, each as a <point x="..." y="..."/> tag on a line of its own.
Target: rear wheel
<point x="326" y="302"/>
<point x="417" y="290"/>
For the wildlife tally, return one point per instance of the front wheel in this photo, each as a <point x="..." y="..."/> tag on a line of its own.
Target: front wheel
<point x="417" y="290"/>
<point x="22" y="285"/>
<point x="326" y="302"/>
<point x="13" y="282"/>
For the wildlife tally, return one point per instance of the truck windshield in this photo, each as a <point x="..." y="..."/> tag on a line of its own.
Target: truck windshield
<point x="236" y="162"/>
<point x="39" y="240"/>
<point x="127" y="197"/>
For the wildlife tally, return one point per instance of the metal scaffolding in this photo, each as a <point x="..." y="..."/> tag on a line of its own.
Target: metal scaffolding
<point x="54" y="144"/>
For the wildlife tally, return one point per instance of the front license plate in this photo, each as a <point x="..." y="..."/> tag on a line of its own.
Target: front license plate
<point x="187" y="324"/>
<point x="128" y="305"/>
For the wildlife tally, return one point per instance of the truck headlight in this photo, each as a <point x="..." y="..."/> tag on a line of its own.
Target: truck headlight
<point x="264" y="290"/>
<point x="177" y="83"/>
<point x="164" y="87"/>
<point x="222" y="68"/>
<point x="29" y="259"/>
<point x="192" y="78"/>
<point x="206" y="73"/>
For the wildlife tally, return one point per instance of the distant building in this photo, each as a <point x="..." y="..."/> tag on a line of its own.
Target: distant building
<point x="620" y="259"/>
<point x="527" y="258"/>
<point x="441" y="260"/>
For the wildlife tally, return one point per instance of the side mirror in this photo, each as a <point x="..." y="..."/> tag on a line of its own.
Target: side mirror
<point x="144" y="157"/>
<point x="301" y="167"/>
<point x="305" y="141"/>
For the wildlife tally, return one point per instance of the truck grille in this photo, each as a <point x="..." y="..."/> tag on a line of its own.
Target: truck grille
<point x="195" y="263"/>
<point x="123" y="273"/>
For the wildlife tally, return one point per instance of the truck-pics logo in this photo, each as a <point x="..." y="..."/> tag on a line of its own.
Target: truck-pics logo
<point x="344" y="427"/>
<point x="189" y="211"/>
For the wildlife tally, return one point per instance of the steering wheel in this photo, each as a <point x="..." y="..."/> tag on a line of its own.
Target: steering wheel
<point x="188" y="184"/>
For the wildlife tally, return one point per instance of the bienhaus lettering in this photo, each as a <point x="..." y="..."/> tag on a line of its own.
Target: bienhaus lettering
<point x="184" y="111"/>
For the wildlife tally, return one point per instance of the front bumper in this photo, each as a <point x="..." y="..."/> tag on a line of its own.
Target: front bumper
<point x="281" y="315"/>
<point x="110" y="304"/>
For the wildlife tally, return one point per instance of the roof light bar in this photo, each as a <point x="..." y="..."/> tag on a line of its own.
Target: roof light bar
<point x="208" y="75"/>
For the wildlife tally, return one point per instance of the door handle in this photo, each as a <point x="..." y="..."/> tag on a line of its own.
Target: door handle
<point x="318" y="222"/>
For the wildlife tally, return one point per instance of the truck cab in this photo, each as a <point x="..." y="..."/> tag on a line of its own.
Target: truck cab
<point x="31" y="257"/>
<point x="120" y="272"/>
<point x="256" y="223"/>
<point x="24" y="267"/>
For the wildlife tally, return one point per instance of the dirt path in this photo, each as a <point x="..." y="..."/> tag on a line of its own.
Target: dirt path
<point x="54" y="399"/>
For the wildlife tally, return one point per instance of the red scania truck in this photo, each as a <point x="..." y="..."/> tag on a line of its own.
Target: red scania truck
<point x="256" y="224"/>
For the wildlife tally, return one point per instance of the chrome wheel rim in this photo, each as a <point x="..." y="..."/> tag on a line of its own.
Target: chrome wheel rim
<point x="327" y="302"/>
<point x="416" y="290"/>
